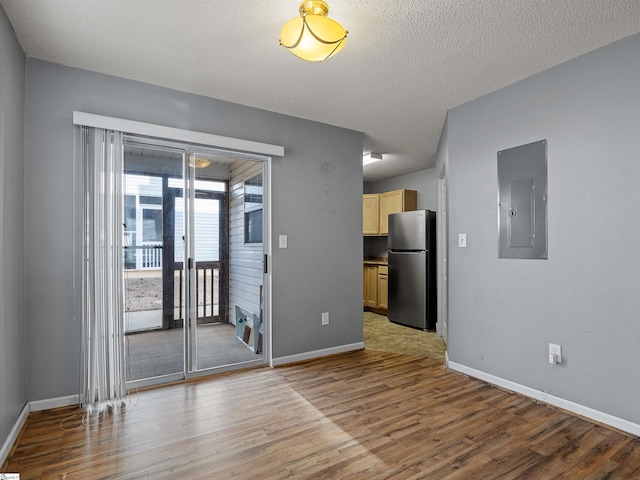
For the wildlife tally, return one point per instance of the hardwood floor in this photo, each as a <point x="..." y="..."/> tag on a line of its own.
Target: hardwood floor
<point x="365" y="414"/>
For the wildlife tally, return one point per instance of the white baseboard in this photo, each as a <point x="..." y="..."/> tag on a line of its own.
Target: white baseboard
<point x="598" y="416"/>
<point x="34" y="406"/>
<point x="13" y="434"/>
<point x="48" y="403"/>
<point x="316" y="354"/>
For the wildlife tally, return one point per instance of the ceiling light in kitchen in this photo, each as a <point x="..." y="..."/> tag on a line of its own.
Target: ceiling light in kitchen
<point x="371" y="158"/>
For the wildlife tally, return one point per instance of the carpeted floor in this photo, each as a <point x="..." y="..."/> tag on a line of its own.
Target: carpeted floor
<point x="383" y="335"/>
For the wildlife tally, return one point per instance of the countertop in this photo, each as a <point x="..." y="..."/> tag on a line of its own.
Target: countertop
<point x="375" y="261"/>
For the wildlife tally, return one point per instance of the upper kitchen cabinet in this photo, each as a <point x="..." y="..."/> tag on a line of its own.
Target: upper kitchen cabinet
<point x="378" y="206"/>
<point x="393" y="202"/>
<point x="371" y="214"/>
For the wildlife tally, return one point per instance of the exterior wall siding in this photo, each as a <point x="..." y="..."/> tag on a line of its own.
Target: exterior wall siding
<point x="246" y="260"/>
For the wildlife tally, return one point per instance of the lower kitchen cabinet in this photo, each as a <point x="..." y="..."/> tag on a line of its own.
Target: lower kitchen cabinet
<point x="370" y="286"/>
<point x="375" y="288"/>
<point x="383" y="287"/>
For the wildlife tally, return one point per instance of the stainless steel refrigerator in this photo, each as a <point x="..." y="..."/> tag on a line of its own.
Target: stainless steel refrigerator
<point x="412" y="269"/>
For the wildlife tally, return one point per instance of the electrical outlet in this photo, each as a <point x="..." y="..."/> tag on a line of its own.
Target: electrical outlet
<point x="325" y="318"/>
<point x="555" y="353"/>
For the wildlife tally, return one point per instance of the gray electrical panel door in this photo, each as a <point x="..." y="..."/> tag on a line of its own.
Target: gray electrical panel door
<point x="522" y="201"/>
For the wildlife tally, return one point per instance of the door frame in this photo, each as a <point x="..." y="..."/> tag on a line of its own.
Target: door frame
<point x="246" y="149"/>
<point x="442" y="259"/>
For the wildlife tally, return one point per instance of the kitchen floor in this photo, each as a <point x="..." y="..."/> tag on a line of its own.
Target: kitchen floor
<point x="382" y="335"/>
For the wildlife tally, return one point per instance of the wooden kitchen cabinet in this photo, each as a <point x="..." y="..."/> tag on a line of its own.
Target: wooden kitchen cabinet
<point x="375" y="288"/>
<point x="371" y="214"/>
<point x="383" y="287"/>
<point x="370" y="286"/>
<point x="376" y="208"/>
<point x="396" y="202"/>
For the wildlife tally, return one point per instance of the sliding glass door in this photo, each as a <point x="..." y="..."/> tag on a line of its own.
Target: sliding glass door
<point x="209" y="332"/>
<point x="154" y="334"/>
<point x="176" y="238"/>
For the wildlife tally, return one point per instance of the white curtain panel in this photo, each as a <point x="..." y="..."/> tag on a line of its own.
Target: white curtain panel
<point x="103" y="362"/>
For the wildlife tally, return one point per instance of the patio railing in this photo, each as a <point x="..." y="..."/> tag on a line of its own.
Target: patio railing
<point x="151" y="256"/>
<point x="143" y="257"/>
<point x="207" y="291"/>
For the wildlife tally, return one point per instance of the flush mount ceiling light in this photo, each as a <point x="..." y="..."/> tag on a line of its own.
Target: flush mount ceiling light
<point x="199" y="162"/>
<point x="371" y="158"/>
<point x="313" y="36"/>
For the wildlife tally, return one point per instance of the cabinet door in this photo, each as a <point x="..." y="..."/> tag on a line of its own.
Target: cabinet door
<point x="364" y="286"/>
<point x="390" y="202"/>
<point x="371" y="286"/>
<point x="371" y="214"/>
<point x="396" y="202"/>
<point x="383" y="291"/>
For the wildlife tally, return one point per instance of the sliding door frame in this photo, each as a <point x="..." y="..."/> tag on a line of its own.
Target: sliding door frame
<point x="246" y="149"/>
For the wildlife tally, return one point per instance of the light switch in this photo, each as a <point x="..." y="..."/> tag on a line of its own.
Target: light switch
<point x="282" y="241"/>
<point x="462" y="240"/>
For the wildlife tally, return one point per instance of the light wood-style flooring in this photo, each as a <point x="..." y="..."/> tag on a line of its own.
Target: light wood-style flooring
<point x="365" y="414"/>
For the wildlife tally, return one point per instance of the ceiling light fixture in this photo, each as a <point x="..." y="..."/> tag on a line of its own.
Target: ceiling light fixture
<point x="313" y="36"/>
<point x="371" y="158"/>
<point x="199" y="162"/>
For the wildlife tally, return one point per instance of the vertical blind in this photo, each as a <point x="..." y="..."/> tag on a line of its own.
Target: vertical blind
<point x="103" y="363"/>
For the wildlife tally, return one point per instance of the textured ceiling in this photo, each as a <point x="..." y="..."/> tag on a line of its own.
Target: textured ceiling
<point x="405" y="62"/>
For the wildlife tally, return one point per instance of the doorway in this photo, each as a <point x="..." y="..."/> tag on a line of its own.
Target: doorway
<point x="443" y="256"/>
<point x="177" y="234"/>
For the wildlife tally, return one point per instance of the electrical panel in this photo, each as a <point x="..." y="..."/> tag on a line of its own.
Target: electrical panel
<point x="522" y="201"/>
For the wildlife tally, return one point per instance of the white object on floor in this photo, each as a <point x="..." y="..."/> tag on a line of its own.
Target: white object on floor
<point x="142" y="320"/>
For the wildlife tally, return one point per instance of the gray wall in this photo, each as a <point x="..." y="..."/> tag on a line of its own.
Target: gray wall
<point x="316" y="201"/>
<point x="423" y="181"/>
<point x="503" y="313"/>
<point x="13" y="391"/>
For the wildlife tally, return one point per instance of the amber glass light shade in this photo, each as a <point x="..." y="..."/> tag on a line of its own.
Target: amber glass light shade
<point x="199" y="162"/>
<point x="313" y="36"/>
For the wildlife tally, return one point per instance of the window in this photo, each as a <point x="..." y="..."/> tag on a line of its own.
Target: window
<point x="148" y="200"/>
<point x="129" y="239"/>
<point x="253" y="192"/>
<point x="151" y="225"/>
